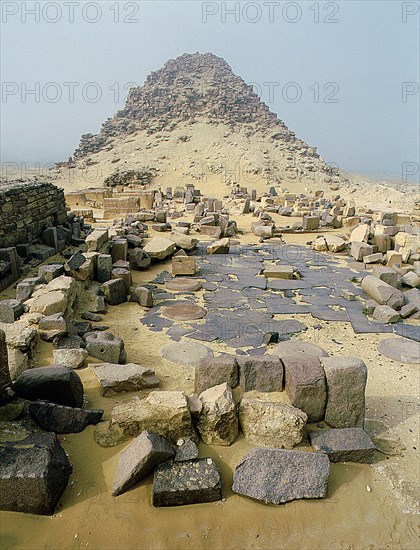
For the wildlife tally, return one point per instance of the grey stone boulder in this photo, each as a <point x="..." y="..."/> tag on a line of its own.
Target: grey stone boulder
<point x="61" y="419"/>
<point x="190" y="482"/>
<point x="386" y="274"/>
<point x="159" y="248"/>
<point x="68" y="342"/>
<point x="382" y="292"/>
<point x="219" y="247"/>
<point x="25" y="288"/>
<point x="346" y="382"/>
<point x="344" y="445"/>
<point x="213" y="371"/>
<point x="33" y="474"/>
<point x="186" y="450"/>
<point x="105" y="346"/>
<point x="275" y="476"/>
<point x="411" y="279"/>
<point x="115" y="378"/>
<point x="139" y="259"/>
<point x="218" y="422"/>
<point x="271" y="423"/>
<point x="136" y="462"/>
<point x="52" y="326"/>
<point x="10" y="310"/>
<point x="57" y="384"/>
<point x="73" y="358"/>
<point x="306" y="386"/>
<point x="385" y="314"/>
<point x="50" y="271"/>
<point x="114" y="291"/>
<point x="359" y="250"/>
<point x="141" y="295"/>
<point x="262" y="373"/>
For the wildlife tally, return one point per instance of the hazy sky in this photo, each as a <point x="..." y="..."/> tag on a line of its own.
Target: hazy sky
<point x="342" y="75"/>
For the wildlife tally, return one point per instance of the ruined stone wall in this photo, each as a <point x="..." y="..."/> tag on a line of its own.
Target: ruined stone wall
<point x="26" y="208"/>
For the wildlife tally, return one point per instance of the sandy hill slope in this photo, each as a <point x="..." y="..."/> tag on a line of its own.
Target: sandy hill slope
<point x="195" y="121"/>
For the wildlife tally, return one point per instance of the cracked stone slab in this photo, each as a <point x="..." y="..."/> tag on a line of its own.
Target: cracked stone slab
<point x="186" y="353"/>
<point x="184" y="312"/>
<point x="400" y="349"/>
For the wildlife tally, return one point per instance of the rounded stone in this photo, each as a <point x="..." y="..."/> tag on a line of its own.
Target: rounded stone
<point x="184" y="312"/>
<point x="186" y="353"/>
<point x="298" y="348"/>
<point x="400" y="349"/>
<point x="182" y="284"/>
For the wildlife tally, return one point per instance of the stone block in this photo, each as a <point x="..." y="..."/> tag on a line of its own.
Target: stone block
<point x="344" y="445"/>
<point x="114" y="291"/>
<point x="160" y="248"/>
<point x="218" y="421"/>
<point x="346" y="382"/>
<point x="142" y="295"/>
<point x="115" y="378"/>
<point x="144" y="453"/>
<point x="119" y="250"/>
<point x="33" y="474"/>
<point x="306" y="386"/>
<point x="96" y="240"/>
<point x="382" y="292"/>
<point x="10" y="310"/>
<point x="275" y="476"/>
<point x="213" y="371"/>
<point x="310" y="223"/>
<point x="271" y="423"/>
<point x="103" y="267"/>
<point x="125" y="276"/>
<point x="163" y="412"/>
<point x="376" y="258"/>
<point x="385" y="314"/>
<point x="360" y="249"/>
<point x="386" y="274"/>
<point x="105" y="346"/>
<point x="188" y="482"/>
<point x="262" y="373"/>
<point x="184" y="265"/>
<point x="278" y="271"/>
<point x="50" y="271"/>
<point x="139" y="259"/>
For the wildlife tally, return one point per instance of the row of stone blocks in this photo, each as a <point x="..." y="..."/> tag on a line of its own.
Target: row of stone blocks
<point x="330" y="388"/>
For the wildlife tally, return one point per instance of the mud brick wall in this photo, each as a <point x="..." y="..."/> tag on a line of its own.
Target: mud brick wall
<point x="26" y="209"/>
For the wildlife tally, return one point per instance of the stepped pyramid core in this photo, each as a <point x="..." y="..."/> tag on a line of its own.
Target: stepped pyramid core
<point x="191" y="120"/>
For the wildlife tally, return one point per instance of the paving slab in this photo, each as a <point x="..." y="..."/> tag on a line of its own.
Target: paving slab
<point x="186" y="353"/>
<point x="400" y="349"/>
<point x="184" y="312"/>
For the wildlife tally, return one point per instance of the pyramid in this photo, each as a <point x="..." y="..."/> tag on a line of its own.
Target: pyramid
<point x="193" y="121"/>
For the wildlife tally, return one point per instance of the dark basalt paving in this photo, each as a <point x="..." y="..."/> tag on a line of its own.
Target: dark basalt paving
<point x="242" y="304"/>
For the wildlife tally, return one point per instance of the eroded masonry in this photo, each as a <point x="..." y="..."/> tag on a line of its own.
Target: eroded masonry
<point x="227" y="310"/>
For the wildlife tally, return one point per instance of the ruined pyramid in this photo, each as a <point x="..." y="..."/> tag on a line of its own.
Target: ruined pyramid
<point x="195" y="121"/>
